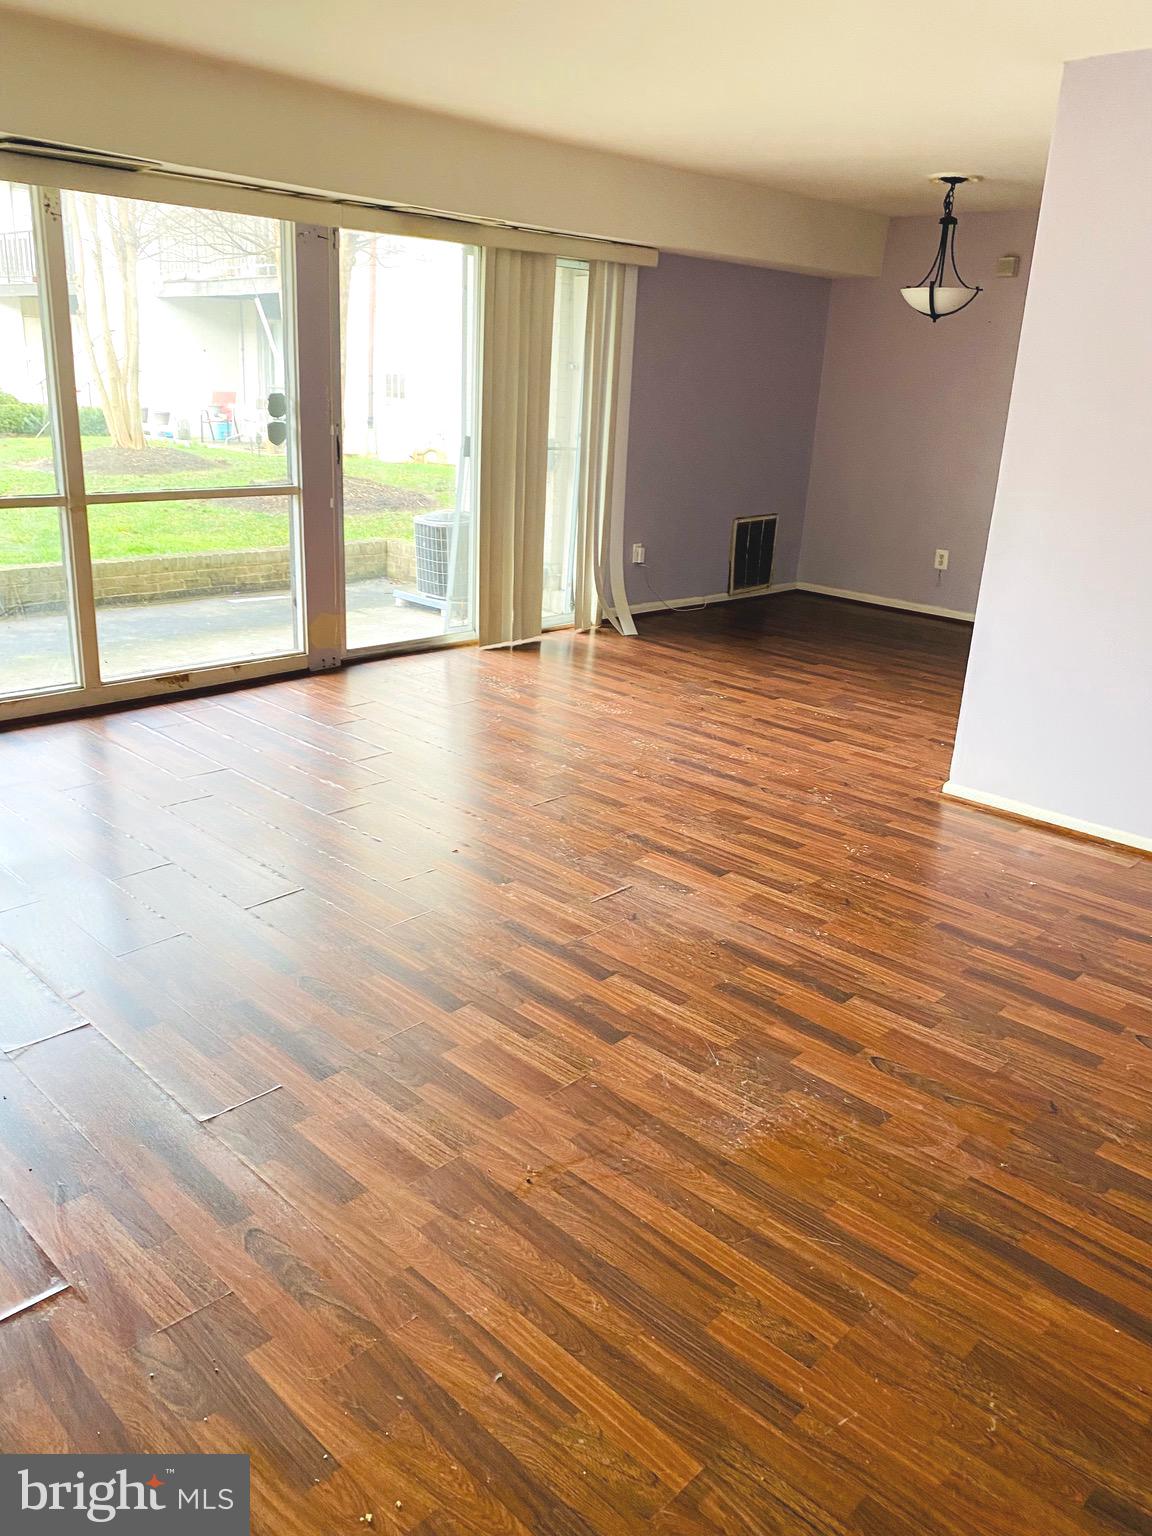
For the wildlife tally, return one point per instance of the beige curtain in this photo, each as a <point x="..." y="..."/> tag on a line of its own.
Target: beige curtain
<point x="603" y="350"/>
<point x="519" y="291"/>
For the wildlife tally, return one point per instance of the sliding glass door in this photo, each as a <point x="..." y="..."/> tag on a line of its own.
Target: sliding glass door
<point x="182" y="340"/>
<point x="408" y="386"/>
<point x="37" y="630"/>
<point x="149" y="517"/>
<point x="155" y="529"/>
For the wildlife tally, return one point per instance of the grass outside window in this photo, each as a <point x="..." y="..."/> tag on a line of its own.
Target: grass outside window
<point x="381" y="499"/>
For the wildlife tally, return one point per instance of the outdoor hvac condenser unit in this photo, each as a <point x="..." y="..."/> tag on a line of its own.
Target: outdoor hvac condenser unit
<point x="438" y="537"/>
<point x="433" y="532"/>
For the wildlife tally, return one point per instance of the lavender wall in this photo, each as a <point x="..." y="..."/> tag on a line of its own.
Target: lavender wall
<point x="725" y="382"/>
<point x="1057" y="712"/>
<point x="911" y="420"/>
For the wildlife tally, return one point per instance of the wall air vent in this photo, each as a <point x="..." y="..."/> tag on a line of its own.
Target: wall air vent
<point x="750" y="560"/>
<point x="74" y="154"/>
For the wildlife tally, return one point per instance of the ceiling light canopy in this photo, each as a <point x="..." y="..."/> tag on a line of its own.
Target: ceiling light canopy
<point x="942" y="291"/>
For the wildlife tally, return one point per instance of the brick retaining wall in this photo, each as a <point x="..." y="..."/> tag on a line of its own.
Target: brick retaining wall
<point x="164" y="578"/>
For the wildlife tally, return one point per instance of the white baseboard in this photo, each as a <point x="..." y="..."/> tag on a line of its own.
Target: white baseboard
<point x="1047" y="818"/>
<point x="802" y="586"/>
<point x="712" y="597"/>
<point x="886" y="602"/>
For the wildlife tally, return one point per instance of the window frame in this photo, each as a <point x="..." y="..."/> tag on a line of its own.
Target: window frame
<point x="74" y="498"/>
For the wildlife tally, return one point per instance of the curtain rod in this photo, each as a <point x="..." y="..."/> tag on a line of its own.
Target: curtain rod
<point x="131" y="165"/>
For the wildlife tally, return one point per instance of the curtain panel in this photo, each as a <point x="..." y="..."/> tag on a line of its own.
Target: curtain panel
<point x="601" y="377"/>
<point x="519" y="296"/>
<point x="519" y="292"/>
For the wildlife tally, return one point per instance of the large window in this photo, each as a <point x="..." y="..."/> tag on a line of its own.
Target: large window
<point x="407" y="309"/>
<point x="183" y="370"/>
<point x="231" y="445"/>
<point x="37" y="639"/>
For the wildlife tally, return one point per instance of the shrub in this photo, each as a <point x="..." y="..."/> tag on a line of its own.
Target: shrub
<point x="92" y="423"/>
<point x="24" y="418"/>
<point x="20" y="418"/>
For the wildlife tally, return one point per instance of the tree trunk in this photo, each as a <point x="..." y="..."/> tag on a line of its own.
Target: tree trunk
<point x="126" y="244"/>
<point x="116" y="371"/>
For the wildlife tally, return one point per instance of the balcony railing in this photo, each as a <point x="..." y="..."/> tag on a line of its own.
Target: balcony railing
<point x="208" y="261"/>
<point x="17" y="258"/>
<point x="189" y="260"/>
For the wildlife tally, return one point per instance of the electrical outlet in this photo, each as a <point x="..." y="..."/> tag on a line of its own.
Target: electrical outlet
<point x="637" y="554"/>
<point x="941" y="561"/>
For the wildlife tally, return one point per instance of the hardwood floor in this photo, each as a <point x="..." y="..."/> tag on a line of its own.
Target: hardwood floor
<point x="602" y="1089"/>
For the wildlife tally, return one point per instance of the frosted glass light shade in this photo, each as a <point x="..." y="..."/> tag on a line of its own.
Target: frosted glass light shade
<point x="948" y="300"/>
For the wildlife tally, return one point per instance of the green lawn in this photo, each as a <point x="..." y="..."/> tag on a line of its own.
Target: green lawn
<point x="28" y="536"/>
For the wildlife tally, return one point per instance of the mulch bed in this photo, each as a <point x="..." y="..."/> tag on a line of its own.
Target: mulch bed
<point x="156" y="459"/>
<point x="362" y="498"/>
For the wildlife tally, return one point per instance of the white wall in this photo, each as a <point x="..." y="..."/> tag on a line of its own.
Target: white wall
<point x="91" y="88"/>
<point x="418" y="335"/>
<point x="21" y="355"/>
<point x="1057" y="712"/>
<point x="189" y="348"/>
<point x="22" y="371"/>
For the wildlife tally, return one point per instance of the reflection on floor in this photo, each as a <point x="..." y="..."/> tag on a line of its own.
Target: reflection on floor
<point x="598" y="1089"/>
<point x="137" y="640"/>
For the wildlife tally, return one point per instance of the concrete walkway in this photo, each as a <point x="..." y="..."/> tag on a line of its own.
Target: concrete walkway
<point x="35" y="653"/>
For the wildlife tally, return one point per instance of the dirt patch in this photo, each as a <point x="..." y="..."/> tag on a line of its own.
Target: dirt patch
<point x="364" y="497"/>
<point x="156" y="459"/>
<point x="276" y="506"/>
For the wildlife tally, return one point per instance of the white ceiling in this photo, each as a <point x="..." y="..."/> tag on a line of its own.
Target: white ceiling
<point x="851" y="100"/>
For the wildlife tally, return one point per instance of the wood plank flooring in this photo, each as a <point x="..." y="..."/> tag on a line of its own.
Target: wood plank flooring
<point x="589" y="1090"/>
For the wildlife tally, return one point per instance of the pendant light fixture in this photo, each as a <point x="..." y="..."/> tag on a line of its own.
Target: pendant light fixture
<point x="942" y="291"/>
